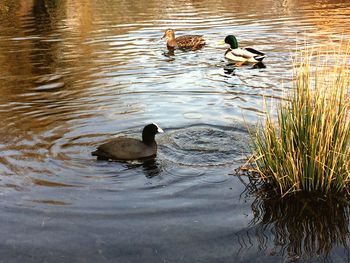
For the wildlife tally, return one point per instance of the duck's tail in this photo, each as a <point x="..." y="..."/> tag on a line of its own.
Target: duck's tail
<point x="259" y="56"/>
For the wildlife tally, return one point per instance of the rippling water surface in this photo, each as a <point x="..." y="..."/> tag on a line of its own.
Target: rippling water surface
<point x="74" y="74"/>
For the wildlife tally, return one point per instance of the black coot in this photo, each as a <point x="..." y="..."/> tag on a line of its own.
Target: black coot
<point x="129" y="148"/>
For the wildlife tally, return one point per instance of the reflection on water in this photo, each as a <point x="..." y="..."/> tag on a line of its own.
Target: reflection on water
<point x="151" y="167"/>
<point x="299" y="226"/>
<point x="303" y="227"/>
<point x="75" y="73"/>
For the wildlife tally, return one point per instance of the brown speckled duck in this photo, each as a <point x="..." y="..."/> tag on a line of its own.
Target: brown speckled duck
<point x="183" y="42"/>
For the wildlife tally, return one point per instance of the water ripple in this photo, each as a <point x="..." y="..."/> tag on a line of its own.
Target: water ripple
<point x="205" y="146"/>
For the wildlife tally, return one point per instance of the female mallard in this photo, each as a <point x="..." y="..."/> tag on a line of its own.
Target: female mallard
<point x="241" y="54"/>
<point x="183" y="42"/>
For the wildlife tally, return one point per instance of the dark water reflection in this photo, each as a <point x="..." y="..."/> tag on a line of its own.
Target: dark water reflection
<point x="74" y="74"/>
<point x="300" y="228"/>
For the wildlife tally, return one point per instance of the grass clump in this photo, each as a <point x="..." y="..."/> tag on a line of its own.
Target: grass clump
<point x="306" y="148"/>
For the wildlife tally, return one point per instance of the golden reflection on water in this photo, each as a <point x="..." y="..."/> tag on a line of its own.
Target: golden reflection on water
<point x="51" y="202"/>
<point x="50" y="183"/>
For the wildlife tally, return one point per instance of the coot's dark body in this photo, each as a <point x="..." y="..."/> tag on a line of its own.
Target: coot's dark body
<point x="129" y="148"/>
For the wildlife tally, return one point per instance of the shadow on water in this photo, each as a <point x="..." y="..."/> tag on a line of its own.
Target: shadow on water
<point x="299" y="227"/>
<point x="150" y="166"/>
<point x="229" y="68"/>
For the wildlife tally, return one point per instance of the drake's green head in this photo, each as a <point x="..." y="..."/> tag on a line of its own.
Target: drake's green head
<point x="232" y="41"/>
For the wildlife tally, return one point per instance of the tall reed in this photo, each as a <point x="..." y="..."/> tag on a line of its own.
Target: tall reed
<point x="307" y="146"/>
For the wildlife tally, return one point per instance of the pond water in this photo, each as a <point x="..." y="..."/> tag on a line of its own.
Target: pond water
<point x="75" y="73"/>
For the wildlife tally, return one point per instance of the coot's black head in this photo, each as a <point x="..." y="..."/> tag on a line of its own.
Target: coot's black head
<point x="149" y="132"/>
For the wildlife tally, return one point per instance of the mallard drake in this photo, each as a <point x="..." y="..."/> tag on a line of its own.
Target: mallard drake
<point x="130" y="148"/>
<point x="183" y="42"/>
<point x="241" y="54"/>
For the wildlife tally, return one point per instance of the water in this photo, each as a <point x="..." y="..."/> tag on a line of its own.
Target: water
<point x="77" y="73"/>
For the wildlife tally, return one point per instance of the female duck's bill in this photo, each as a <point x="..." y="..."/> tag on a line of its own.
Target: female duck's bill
<point x="183" y="42"/>
<point x="241" y="54"/>
<point x="130" y="148"/>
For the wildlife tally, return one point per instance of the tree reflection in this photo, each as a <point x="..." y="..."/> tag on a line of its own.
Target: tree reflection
<point x="300" y="226"/>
